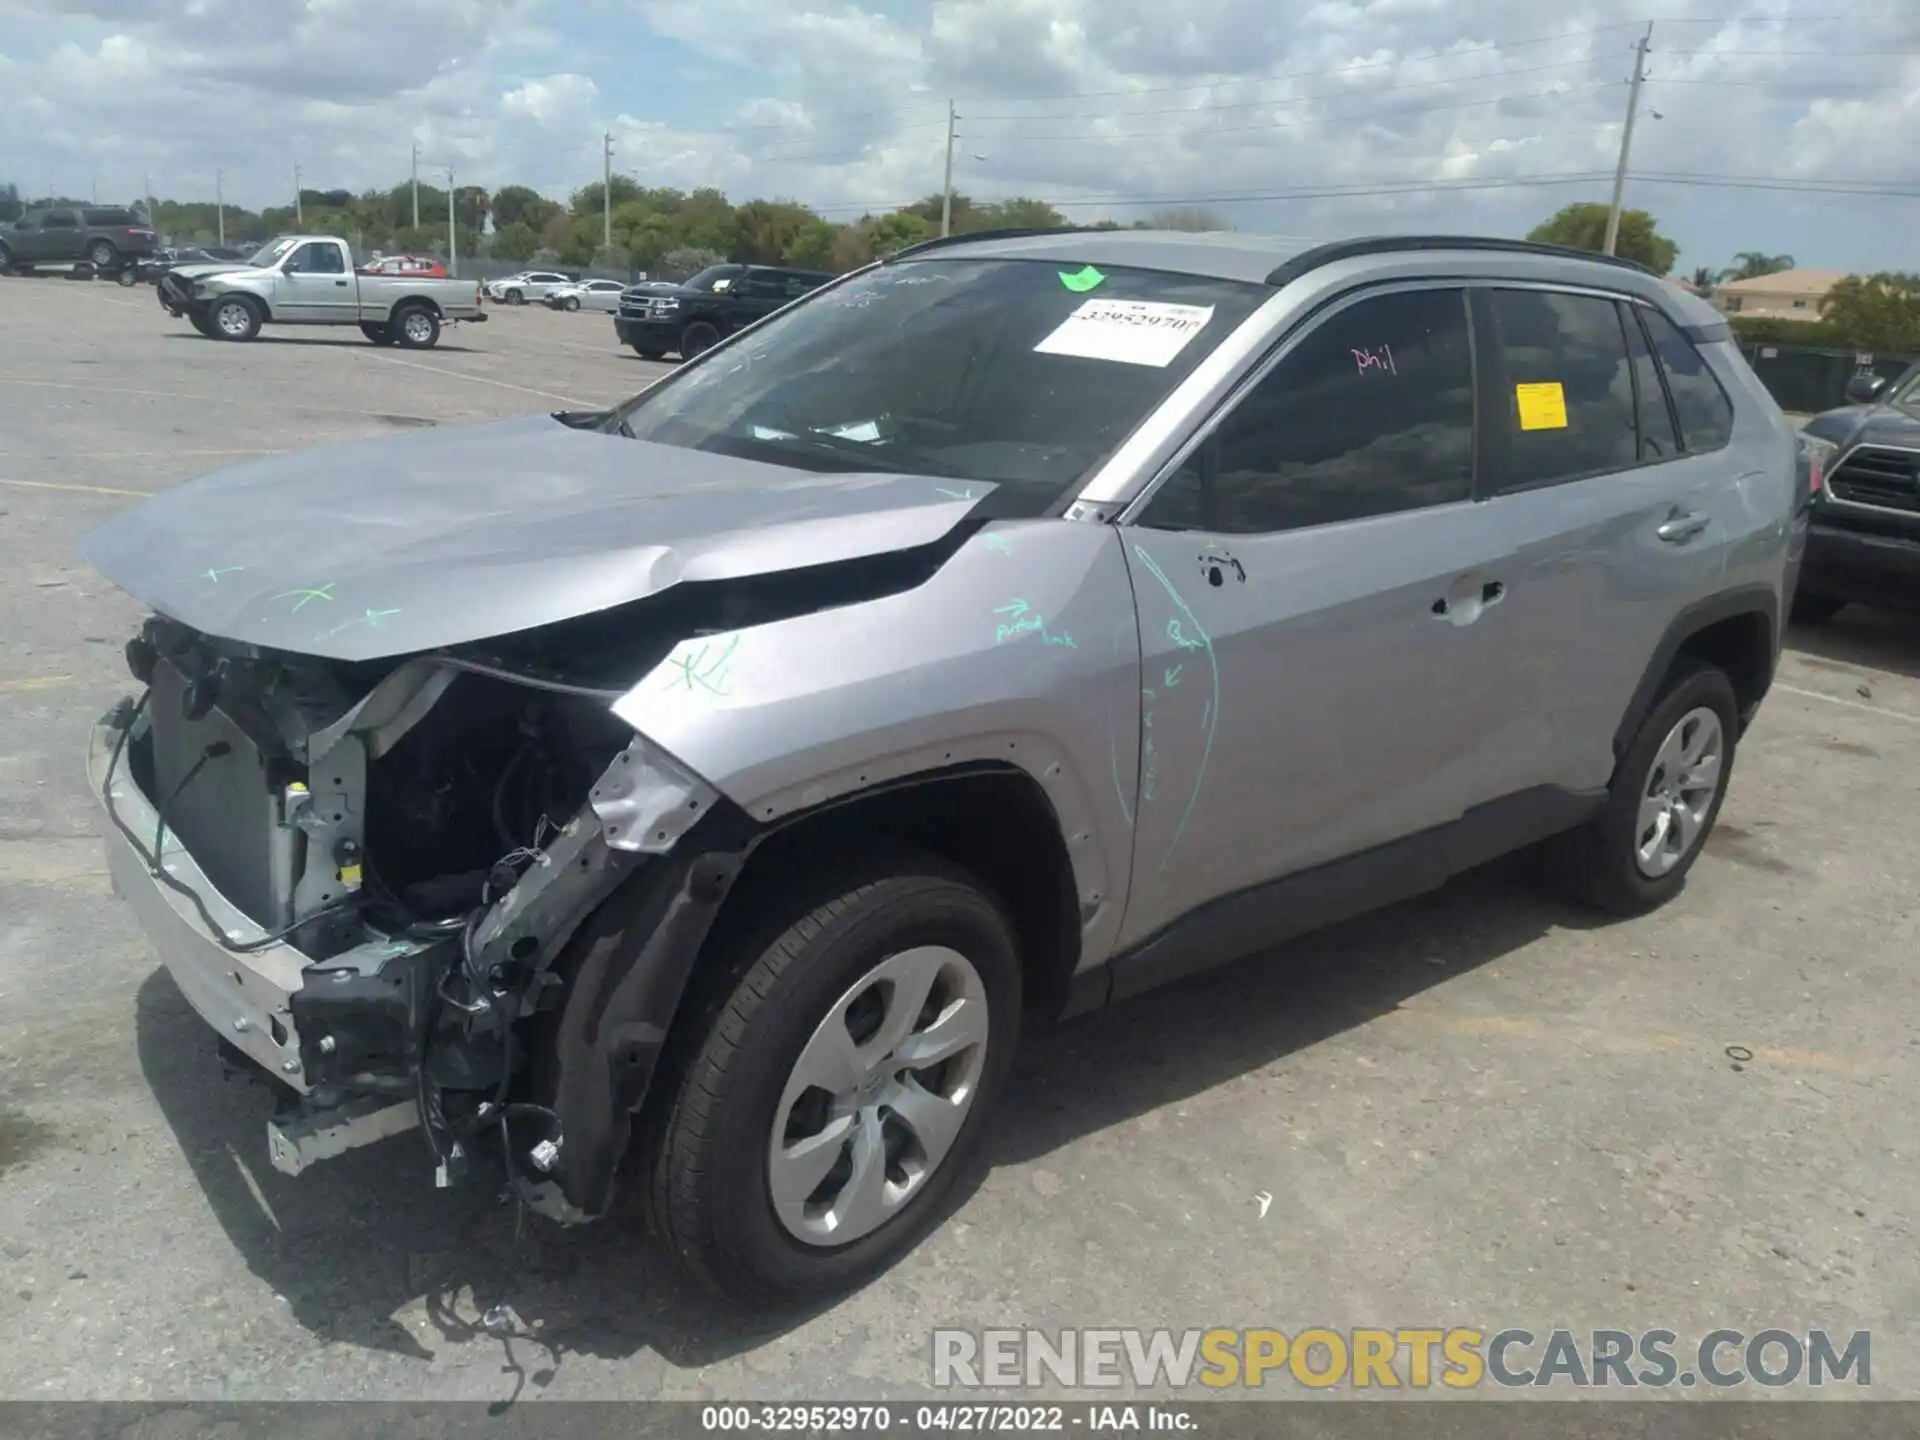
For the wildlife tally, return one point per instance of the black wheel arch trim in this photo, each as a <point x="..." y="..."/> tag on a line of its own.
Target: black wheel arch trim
<point x="1730" y="604"/>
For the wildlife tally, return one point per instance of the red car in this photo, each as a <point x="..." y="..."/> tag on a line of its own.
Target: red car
<point x="424" y="266"/>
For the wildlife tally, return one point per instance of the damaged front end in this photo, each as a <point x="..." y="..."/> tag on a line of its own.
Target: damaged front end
<point x="366" y="877"/>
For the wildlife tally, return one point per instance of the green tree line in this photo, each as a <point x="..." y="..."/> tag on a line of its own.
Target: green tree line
<point x="656" y="229"/>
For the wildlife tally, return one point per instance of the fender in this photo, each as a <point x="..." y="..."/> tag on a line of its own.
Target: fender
<point x="1742" y="600"/>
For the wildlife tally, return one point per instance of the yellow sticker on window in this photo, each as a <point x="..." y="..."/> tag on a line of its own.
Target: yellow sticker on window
<point x="1542" y="407"/>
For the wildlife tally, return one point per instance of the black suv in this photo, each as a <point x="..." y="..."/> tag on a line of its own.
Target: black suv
<point x="1863" y="540"/>
<point x="687" y="319"/>
<point x="108" y="237"/>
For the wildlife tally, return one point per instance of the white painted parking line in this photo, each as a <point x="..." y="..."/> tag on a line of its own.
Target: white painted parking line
<point x="273" y="402"/>
<point x="1849" y="704"/>
<point x="477" y="379"/>
<point x="75" y="489"/>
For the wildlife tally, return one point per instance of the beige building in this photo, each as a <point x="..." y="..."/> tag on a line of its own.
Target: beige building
<point x="1789" y="295"/>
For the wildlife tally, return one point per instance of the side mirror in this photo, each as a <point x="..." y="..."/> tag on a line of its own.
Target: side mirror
<point x="1866" y="389"/>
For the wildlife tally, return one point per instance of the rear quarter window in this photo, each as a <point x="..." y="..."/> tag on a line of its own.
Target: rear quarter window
<point x="1700" y="403"/>
<point x="110" y="217"/>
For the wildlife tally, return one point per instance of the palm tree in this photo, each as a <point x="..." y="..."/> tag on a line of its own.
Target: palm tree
<point x="1703" y="280"/>
<point x="1752" y="264"/>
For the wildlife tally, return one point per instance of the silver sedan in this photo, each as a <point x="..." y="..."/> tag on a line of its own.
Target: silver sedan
<point x="602" y="295"/>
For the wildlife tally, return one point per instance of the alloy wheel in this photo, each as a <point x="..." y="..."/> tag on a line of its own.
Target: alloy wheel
<point x="878" y="1096"/>
<point x="1680" y="790"/>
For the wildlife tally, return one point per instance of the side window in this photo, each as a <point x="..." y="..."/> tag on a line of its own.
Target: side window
<point x="760" y="287"/>
<point x="1369" y="414"/>
<point x="1704" y="411"/>
<point x="59" y="220"/>
<point x="1658" y="440"/>
<point x="304" y="261"/>
<point x="794" y="286"/>
<point x="1569" y="397"/>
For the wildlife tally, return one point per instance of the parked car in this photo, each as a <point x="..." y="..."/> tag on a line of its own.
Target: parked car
<point x="695" y="796"/>
<point x="527" y="285"/>
<point x="1864" y="545"/>
<point x="424" y="266"/>
<point x="107" y="237"/>
<point x="602" y="295"/>
<point x="691" y="318"/>
<point x="311" y="280"/>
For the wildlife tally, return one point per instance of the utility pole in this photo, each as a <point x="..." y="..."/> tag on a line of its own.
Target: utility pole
<point x="453" y="232"/>
<point x="220" y="205"/>
<point x="606" y="187"/>
<point x="1626" y="136"/>
<point x="153" y="211"/>
<point x="299" y="210"/>
<point x="946" y="185"/>
<point x="416" y="184"/>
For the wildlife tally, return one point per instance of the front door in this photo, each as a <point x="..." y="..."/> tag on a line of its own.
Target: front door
<point x="314" y="286"/>
<point x="1320" y="601"/>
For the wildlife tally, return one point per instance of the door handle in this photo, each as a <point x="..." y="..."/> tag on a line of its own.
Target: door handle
<point x="1682" y="526"/>
<point x="1463" y="609"/>
<point x="341" y="283"/>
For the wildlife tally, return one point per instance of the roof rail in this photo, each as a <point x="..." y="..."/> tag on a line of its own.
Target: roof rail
<point x="1313" y="259"/>
<point x="1011" y="233"/>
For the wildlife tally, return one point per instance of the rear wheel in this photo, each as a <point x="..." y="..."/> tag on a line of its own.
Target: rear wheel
<point x="235" y="318"/>
<point x="415" y="327"/>
<point x="6" y="261"/>
<point x="697" y="339"/>
<point x="101" y="255"/>
<point x="1635" y="854"/>
<point x="843" y="1082"/>
<point x="378" y="334"/>
<point x="128" y="277"/>
<point x="649" y="352"/>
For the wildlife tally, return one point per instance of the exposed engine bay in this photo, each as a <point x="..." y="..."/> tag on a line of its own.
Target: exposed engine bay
<point x="421" y="837"/>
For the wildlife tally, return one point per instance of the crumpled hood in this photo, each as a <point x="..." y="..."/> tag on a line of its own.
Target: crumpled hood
<point x="393" y="546"/>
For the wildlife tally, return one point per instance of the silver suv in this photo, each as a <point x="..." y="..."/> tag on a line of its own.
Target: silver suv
<point x="693" y="799"/>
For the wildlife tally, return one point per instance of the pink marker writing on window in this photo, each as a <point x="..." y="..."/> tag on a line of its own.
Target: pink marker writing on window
<point x="1381" y="359"/>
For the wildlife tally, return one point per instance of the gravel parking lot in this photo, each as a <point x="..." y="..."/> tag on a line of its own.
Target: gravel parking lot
<point x="1475" y="1109"/>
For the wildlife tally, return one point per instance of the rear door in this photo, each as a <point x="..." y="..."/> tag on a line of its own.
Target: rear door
<point x="1609" y="517"/>
<point x="1318" y="599"/>
<point x="315" y="286"/>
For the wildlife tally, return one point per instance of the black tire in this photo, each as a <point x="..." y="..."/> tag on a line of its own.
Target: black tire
<point x="378" y="334"/>
<point x="128" y="277"/>
<point x="707" y="1193"/>
<point x="1596" y="864"/>
<point x="1815" y="609"/>
<point x="697" y="339"/>
<point x="220" y="315"/>
<point x="516" y="297"/>
<point x="102" y="256"/>
<point x="572" y="302"/>
<point x="6" y="261"/>
<point x="198" y="319"/>
<point x="649" y="352"/>
<point x="415" y="327"/>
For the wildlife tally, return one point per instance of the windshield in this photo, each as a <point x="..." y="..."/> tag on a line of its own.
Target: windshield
<point x="1906" y="392"/>
<point x="715" y="278"/>
<point x="1020" y="372"/>
<point x="269" y="254"/>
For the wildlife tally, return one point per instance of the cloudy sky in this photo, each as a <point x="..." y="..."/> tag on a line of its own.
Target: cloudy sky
<point x="1764" y="127"/>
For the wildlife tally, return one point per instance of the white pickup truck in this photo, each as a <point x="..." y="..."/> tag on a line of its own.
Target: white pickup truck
<point x="311" y="280"/>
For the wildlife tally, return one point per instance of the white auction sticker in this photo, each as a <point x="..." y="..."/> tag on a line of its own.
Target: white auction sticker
<point x="1127" y="332"/>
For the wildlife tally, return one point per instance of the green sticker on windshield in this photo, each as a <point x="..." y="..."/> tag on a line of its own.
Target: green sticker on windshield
<point x="1081" y="280"/>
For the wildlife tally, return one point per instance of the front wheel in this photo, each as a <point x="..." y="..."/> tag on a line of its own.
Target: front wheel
<point x="697" y="339"/>
<point x="516" y="297"/>
<point x="1635" y="854"/>
<point x="128" y="277"/>
<point x="235" y="318"/>
<point x="201" y="322"/>
<point x="378" y="334"/>
<point x="842" y="1085"/>
<point x="649" y="352"/>
<point x="572" y="302"/>
<point x="1815" y="609"/>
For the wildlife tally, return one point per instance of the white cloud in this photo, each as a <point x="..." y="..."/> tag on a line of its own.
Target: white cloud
<point x="842" y="103"/>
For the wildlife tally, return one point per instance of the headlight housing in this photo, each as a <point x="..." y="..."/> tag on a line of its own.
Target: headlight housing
<point x="1816" y="458"/>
